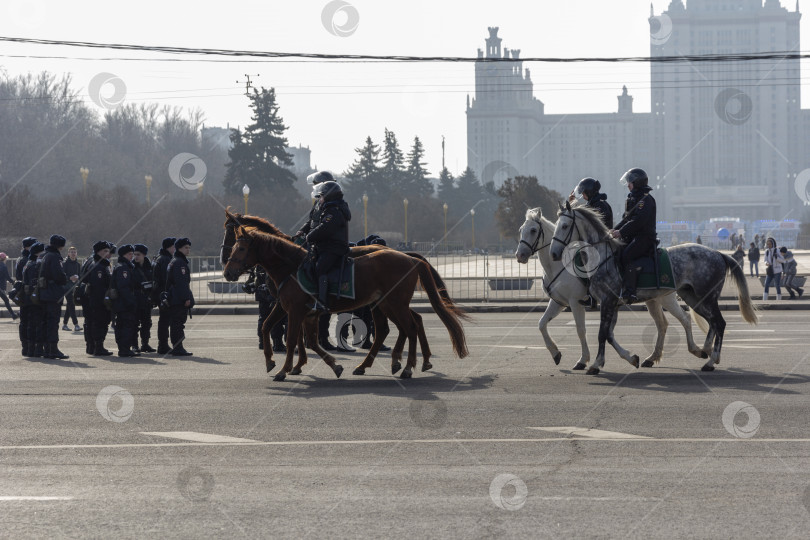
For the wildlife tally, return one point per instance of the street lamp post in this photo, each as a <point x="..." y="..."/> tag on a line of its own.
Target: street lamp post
<point x="199" y="189"/>
<point x="148" y="179"/>
<point x="365" y="215"/>
<point x="405" y="202"/>
<point x="246" y="194"/>
<point x="84" y="171"/>
<point x="472" y="215"/>
<point x="445" y="225"/>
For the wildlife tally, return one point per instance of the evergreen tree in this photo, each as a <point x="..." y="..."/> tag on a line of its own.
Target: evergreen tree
<point x="262" y="158"/>
<point x="447" y="187"/>
<point x="393" y="163"/>
<point x="365" y="174"/>
<point x="416" y="173"/>
<point x="468" y="191"/>
<point x="518" y="195"/>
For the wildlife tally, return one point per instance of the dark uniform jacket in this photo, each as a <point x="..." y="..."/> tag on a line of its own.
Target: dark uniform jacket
<point x="639" y="216"/>
<point x="332" y="233"/>
<point x="21" y="262"/>
<point x="178" y="282"/>
<point x="143" y="284"/>
<point x="159" y="275"/>
<point x="98" y="279"/>
<point x="314" y="219"/>
<point x="123" y="280"/>
<point x="54" y="275"/>
<point x="601" y="205"/>
<point x="30" y="275"/>
<point x="71" y="268"/>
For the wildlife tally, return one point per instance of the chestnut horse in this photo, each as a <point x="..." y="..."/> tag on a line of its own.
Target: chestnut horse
<point x="233" y="220"/>
<point x="385" y="277"/>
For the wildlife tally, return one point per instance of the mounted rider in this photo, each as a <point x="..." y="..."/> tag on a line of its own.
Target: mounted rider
<point x="313" y="179"/>
<point x="588" y="189"/>
<point x="636" y="229"/>
<point x="330" y="238"/>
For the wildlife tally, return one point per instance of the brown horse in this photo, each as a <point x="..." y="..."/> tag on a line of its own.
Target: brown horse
<point x="384" y="277"/>
<point x="234" y="220"/>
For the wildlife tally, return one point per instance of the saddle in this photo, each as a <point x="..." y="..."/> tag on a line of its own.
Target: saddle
<point x="655" y="273"/>
<point x="341" y="278"/>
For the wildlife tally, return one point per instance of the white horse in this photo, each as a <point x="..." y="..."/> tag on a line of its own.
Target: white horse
<point x="565" y="288"/>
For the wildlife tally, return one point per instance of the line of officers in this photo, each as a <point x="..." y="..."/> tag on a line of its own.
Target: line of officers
<point x="123" y="295"/>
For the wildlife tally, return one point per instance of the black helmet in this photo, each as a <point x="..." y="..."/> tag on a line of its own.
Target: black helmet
<point x="635" y="176"/>
<point x="319" y="177"/>
<point x="331" y="191"/>
<point x="589" y="187"/>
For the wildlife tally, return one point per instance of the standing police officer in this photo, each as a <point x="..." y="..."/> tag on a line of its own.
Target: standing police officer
<point x="143" y="296"/>
<point x="636" y="229"/>
<point x="330" y="238"/>
<point x="98" y="281"/>
<point x="124" y="305"/>
<point x="160" y="275"/>
<point x="181" y="299"/>
<point x="24" y="309"/>
<point x="55" y="287"/>
<point x="35" y="319"/>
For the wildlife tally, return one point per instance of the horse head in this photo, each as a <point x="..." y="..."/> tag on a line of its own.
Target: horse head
<point x="531" y="234"/>
<point x="565" y="232"/>
<point x="241" y="258"/>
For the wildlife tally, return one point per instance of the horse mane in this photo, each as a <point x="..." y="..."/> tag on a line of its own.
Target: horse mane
<point x="536" y="214"/>
<point x="271" y="238"/>
<point x="261" y="224"/>
<point x="594" y="218"/>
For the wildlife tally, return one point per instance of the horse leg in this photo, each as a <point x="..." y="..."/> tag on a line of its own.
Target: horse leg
<point x="698" y="305"/>
<point x="632" y="359"/>
<point x="302" y="351"/>
<point x="670" y="303"/>
<point x="294" y="321"/>
<point x="657" y="314"/>
<point x="423" y="342"/>
<point x="275" y="316"/>
<point x="405" y="324"/>
<point x="311" y="329"/>
<point x="381" y="330"/>
<point x="710" y="311"/>
<point x="608" y="307"/>
<point x="552" y="310"/>
<point x="578" y="311"/>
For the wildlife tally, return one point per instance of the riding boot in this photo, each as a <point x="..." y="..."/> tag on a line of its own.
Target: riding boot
<point x="629" y="286"/>
<point x="320" y="305"/>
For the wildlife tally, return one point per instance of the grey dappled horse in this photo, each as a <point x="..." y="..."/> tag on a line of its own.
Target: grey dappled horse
<point x="699" y="273"/>
<point x="564" y="288"/>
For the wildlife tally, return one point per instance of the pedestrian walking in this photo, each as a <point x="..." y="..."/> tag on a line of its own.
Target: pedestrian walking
<point x="753" y="259"/>
<point x="773" y="268"/>
<point x="72" y="267"/>
<point x="739" y="255"/>
<point x="789" y="273"/>
<point x="5" y="278"/>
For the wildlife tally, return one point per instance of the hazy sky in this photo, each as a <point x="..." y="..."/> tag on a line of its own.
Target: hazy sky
<point x="331" y="107"/>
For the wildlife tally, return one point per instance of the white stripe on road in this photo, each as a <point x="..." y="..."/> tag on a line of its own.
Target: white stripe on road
<point x="198" y="437"/>
<point x="26" y="498"/>
<point x="590" y="433"/>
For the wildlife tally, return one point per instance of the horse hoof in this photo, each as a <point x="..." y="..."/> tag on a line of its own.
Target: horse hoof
<point x="359" y="371"/>
<point x="707" y="368"/>
<point x="704" y="354"/>
<point x="280" y="377"/>
<point x="406" y="375"/>
<point x="593" y="371"/>
<point x="557" y="358"/>
<point x="648" y="363"/>
<point x="270" y="366"/>
<point x="579" y="367"/>
<point x="426" y="366"/>
<point x="634" y="361"/>
<point x="338" y="370"/>
<point x="295" y="371"/>
<point x="395" y="367"/>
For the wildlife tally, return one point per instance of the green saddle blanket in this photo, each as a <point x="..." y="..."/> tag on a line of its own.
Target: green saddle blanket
<point x="342" y="287"/>
<point x="646" y="279"/>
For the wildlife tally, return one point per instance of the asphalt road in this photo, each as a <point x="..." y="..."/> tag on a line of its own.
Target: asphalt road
<point x="210" y="446"/>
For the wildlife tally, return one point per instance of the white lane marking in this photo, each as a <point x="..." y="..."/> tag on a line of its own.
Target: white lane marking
<point x="198" y="437"/>
<point x="507" y="347"/>
<point x="620" y="499"/>
<point x="590" y="433"/>
<point x="588" y="322"/>
<point x="33" y="498"/>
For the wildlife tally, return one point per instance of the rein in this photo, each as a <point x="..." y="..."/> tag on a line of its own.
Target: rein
<point x="533" y="246"/>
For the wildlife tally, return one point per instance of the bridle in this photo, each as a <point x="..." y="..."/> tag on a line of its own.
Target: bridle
<point x="569" y="236"/>
<point x="533" y="246"/>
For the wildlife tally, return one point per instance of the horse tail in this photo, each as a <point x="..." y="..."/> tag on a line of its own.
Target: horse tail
<point x="747" y="309"/>
<point x="442" y="288"/>
<point x="702" y="323"/>
<point x="449" y="316"/>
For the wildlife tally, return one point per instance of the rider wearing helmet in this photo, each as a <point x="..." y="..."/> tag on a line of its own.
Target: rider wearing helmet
<point x="313" y="180"/>
<point x="588" y="189"/>
<point x="636" y="229"/>
<point x="330" y="237"/>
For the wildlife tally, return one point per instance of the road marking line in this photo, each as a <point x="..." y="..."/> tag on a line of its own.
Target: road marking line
<point x="621" y="499"/>
<point x="198" y="437"/>
<point x="590" y="433"/>
<point x="33" y="498"/>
